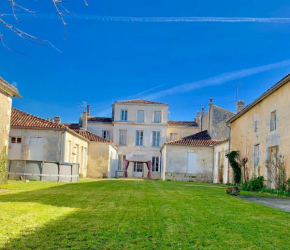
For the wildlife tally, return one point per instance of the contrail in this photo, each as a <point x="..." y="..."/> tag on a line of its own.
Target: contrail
<point x="161" y="19"/>
<point x="217" y="80"/>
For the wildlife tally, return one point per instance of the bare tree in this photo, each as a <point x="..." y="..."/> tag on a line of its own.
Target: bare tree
<point x="17" y="8"/>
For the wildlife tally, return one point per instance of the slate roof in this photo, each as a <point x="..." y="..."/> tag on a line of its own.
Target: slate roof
<point x="88" y="135"/>
<point x="100" y="119"/>
<point x="23" y="119"/>
<point x="271" y="90"/>
<point x="182" y="123"/>
<point x="199" y="139"/>
<point x="140" y="101"/>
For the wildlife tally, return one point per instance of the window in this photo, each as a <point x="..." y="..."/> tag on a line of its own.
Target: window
<point x="156" y="139"/>
<point x="139" y="138"/>
<point x="124" y="115"/>
<point x="273" y="121"/>
<point x="106" y="134"/>
<point x="123" y="137"/>
<point x="157" y="116"/>
<point x="122" y="159"/>
<point x="15" y="139"/>
<point x="69" y="150"/>
<point x="155" y="164"/>
<point x="173" y="136"/>
<point x="85" y="158"/>
<point x="140" y="116"/>
<point x="77" y="154"/>
<point x="256" y="126"/>
<point x="138" y="167"/>
<point x="256" y="155"/>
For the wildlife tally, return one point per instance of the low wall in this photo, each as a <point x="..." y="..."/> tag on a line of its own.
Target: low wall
<point x="205" y="177"/>
<point x="43" y="171"/>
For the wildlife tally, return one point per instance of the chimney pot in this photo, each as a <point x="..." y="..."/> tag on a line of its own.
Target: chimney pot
<point x="211" y="100"/>
<point x="57" y="119"/>
<point x="88" y="110"/>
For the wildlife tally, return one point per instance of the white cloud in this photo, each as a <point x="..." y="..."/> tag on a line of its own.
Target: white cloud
<point x="217" y="80"/>
<point x="160" y="19"/>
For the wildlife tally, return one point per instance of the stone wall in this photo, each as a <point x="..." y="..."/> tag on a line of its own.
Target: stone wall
<point x="244" y="137"/>
<point x="218" y="128"/>
<point x="5" y="114"/>
<point x="175" y="163"/>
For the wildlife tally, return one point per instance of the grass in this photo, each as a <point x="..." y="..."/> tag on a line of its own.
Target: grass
<point x="135" y="214"/>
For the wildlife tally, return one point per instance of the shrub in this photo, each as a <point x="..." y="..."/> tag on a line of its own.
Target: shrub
<point x="236" y="166"/>
<point x="235" y="191"/>
<point x="255" y="184"/>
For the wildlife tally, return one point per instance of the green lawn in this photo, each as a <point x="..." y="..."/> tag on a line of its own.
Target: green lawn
<point x="135" y="214"/>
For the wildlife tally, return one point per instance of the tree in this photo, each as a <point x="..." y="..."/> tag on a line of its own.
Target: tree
<point x="17" y="8"/>
<point x="236" y="166"/>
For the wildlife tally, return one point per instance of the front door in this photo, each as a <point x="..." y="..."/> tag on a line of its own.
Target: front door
<point x="138" y="169"/>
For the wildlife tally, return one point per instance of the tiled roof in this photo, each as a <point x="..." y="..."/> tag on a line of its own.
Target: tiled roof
<point x="182" y="123"/>
<point x="141" y="101"/>
<point x="199" y="139"/>
<point x="88" y="135"/>
<point x="22" y="119"/>
<point x="271" y="90"/>
<point x="9" y="88"/>
<point x="100" y="119"/>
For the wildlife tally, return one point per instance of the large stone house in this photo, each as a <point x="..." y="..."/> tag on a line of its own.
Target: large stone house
<point x="261" y="130"/>
<point x="7" y="91"/>
<point x="143" y="133"/>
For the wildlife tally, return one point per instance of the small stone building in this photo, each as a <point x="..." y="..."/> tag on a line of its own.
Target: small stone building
<point x="102" y="154"/>
<point x="39" y="140"/>
<point x="190" y="158"/>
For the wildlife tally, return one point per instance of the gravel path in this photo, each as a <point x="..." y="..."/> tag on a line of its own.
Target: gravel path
<point x="278" y="203"/>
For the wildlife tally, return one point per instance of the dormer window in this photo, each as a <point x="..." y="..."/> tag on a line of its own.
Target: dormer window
<point x="124" y="115"/>
<point x="157" y="116"/>
<point x="273" y="121"/>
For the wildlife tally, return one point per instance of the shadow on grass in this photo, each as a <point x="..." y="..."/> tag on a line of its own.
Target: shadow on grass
<point x="132" y="214"/>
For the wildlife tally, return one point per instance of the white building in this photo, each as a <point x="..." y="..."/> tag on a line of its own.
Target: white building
<point x="140" y="128"/>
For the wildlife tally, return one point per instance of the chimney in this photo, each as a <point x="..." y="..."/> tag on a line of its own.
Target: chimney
<point x="88" y="110"/>
<point x="84" y="121"/>
<point x="202" y="112"/>
<point x="211" y="101"/>
<point x="240" y="106"/>
<point x="197" y="119"/>
<point x="57" y="119"/>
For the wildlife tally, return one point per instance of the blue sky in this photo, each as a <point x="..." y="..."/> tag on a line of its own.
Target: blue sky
<point x="181" y="63"/>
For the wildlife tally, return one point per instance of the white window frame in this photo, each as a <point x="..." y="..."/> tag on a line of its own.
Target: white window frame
<point x="122" y="137"/>
<point x="139" y="116"/>
<point x="69" y="151"/>
<point x="155" y="164"/>
<point x="18" y="140"/>
<point x="156" y="141"/>
<point x="138" y="166"/>
<point x="106" y="134"/>
<point x="257" y="155"/>
<point x="139" y="138"/>
<point x="155" y="117"/>
<point x="124" y="115"/>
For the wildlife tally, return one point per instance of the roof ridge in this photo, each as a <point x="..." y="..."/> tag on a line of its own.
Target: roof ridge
<point x="34" y="116"/>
